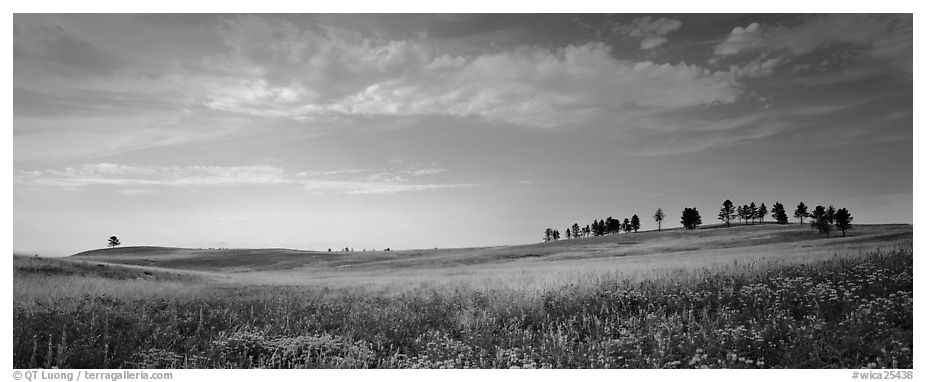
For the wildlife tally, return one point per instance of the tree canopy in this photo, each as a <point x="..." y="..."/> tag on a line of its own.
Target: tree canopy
<point x="779" y="213"/>
<point x="843" y="220"/>
<point x="691" y="218"/>
<point x="727" y="212"/>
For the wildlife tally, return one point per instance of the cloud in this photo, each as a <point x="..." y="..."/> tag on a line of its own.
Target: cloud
<point x="740" y="39"/>
<point x="123" y="175"/>
<point x="756" y="68"/>
<point x="67" y="53"/>
<point x="428" y="171"/>
<point x="365" y="188"/>
<point x="388" y="181"/>
<point x="276" y="69"/>
<point x="650" y="33"/>
<point x="690" y="135"/>
<point x="886" y="38"/>
<point x="260" y="73"/>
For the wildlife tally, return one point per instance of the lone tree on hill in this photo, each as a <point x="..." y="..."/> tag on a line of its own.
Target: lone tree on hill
<point x="761" y="213"/>
<point x="635" y="222"/>
<point x="820" y="220"/>
<point x="114" y="242"/>
<point x="843" y="220"/>
<point x="691" y="218"/>
<point x="778" y="212"/>
<point x="658" y="216"/>
<point x="801" y="212"/>
<point x="726" y="212"/>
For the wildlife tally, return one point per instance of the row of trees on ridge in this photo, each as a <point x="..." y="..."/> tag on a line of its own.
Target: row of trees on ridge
<point x="822" y="219"/>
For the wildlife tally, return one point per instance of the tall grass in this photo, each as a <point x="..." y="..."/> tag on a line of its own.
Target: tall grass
<point x="845" y="312"/>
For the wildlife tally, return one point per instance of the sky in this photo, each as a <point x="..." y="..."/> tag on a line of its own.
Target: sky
<point x="315" y="131"/>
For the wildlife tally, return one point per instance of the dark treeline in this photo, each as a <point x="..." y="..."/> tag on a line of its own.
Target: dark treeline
<point x="823" y="219"/>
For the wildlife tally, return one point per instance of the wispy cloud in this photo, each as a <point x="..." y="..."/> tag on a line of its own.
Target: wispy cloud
<point x="696" y="134"/>
<point x="651" y="33"/>
<point x="388" y="181"/>
<point x="879" y="40"/>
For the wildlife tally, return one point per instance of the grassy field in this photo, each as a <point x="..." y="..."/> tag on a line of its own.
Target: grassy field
<point x="762" y="296"/>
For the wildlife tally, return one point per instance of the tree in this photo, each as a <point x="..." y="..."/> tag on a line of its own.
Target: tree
<point x="843" y="220"/>
<point x="611" y="226"/>
<point x="626" y="225"/>
<point x="598" y="227"/>
<point x="658" y="216"/>
<point x="747" y="212"/>
<point x="691" y="218"/>
<point x="779" y="213"/>
<point x="820" y="220"/>
<point x="114" y="242"/>
<point x="740" y="213"/>
<point x="575" y="230"/>
<point x="726" y="212"/>
<point x="555" y="234"/>
<point x="548" y="234"/>
<point x="761" y="213"/>
<point x="568" y="234"/>
<point x="801" y="212"/>
<point x="635" y="222"/>
<point x="753" y="212"/>
<point x="587" y="231"/>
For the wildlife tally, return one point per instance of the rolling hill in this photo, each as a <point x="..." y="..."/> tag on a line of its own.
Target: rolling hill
<point x="624" y="253"/>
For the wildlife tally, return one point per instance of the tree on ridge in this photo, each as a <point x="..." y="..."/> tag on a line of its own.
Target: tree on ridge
<point x="801" y="212"/>
<point x="779" y="213"/>
<point x="691" y="218"/>
<point x="658" y="216"/>
<point x="843" y="220"/>
<point x="726" y="212"/>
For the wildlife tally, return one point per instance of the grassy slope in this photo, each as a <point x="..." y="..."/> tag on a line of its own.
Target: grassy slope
<point x="524" y="266"/>
<point x="710" y="298"/>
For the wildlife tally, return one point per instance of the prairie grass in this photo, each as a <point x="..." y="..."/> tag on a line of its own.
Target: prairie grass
<point x="847" y="311"/>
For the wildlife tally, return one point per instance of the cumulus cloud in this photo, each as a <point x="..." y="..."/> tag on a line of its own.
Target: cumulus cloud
<point x="356" y="181"/>
<point x="280" y="70"/>
<point x="650" y="33"/>
<point x="740" y="39"/>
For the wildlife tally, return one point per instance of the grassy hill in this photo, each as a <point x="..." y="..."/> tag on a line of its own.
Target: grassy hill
<point x="759" y="296"/>
<point x="624" y="255"/>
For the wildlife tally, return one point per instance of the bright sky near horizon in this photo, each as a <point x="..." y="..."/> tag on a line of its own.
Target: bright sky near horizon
<point x="420" y="131"/>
